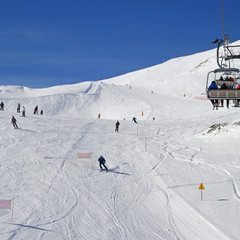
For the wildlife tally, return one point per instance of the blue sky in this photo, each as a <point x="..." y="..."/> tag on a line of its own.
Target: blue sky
<point x="54" y="42"/>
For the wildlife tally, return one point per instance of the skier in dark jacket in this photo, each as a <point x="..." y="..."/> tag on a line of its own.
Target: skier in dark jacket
<point x="14" y="122"/>
<point x="18" y="108"/>
<point x="102" y="162"/>
<point x="117" y="126"/>
<point x="134" y="119"/>
<point x="23" y="112"/>
<point x="2" y="106"/>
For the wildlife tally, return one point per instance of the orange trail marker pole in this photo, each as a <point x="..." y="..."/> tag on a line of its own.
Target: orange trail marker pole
<point x="201" y="187"/>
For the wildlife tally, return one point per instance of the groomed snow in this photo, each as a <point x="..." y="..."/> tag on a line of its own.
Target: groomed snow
<point x="155" y="166"/>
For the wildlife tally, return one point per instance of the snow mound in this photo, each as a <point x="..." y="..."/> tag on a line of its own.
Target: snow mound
<point x="219" y="128"/>
<point x="215" y="129"/>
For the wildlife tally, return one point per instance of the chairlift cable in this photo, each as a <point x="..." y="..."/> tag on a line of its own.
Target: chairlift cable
<point x="224" y="37"/>
<point x="222" y="20"/>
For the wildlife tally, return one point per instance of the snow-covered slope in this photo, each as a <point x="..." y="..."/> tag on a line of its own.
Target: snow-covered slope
<point x="155" y="166"/>
<point x="175" y="77"/>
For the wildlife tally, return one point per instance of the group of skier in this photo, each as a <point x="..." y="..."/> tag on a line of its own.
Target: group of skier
<point x="23" y="110"/>
<point x="101" y="159"/>
<point x="36" y="110"/>
<point x="118" y="123"/>
<point x="14" y="121"/>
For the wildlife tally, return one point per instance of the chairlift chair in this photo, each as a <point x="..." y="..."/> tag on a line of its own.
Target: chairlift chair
<point x="232" y="93"/>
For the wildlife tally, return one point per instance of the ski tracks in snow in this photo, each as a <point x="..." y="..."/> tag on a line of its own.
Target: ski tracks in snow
<point x="186" y="154"/>
<point x="190" y="155"/>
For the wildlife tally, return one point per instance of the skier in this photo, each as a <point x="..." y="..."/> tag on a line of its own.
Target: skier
<point x="14" y="122"/>
<point x="41" y="112"/>
<point x="18" y="108"/>
<point x="99" y="115"/>
<point x="23" y="112"/>
<point x="102" y="162"/>
<point x="35" y="110"/>
<point x="134" y="119"/>
<point x="2" y="106"/>
<point x="117" y="126"/>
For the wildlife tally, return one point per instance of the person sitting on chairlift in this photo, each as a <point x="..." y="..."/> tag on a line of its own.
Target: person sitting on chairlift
<point x="238" y="88"/>
<point x="213" y="101"/>
<point x="213" y="85"/>
<point x="224" y="86"/>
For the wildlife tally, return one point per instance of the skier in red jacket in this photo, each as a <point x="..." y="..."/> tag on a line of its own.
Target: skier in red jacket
<point x="117" y="126"/>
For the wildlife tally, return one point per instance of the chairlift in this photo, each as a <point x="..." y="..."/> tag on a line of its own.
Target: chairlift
<point x="225" y="74"/>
